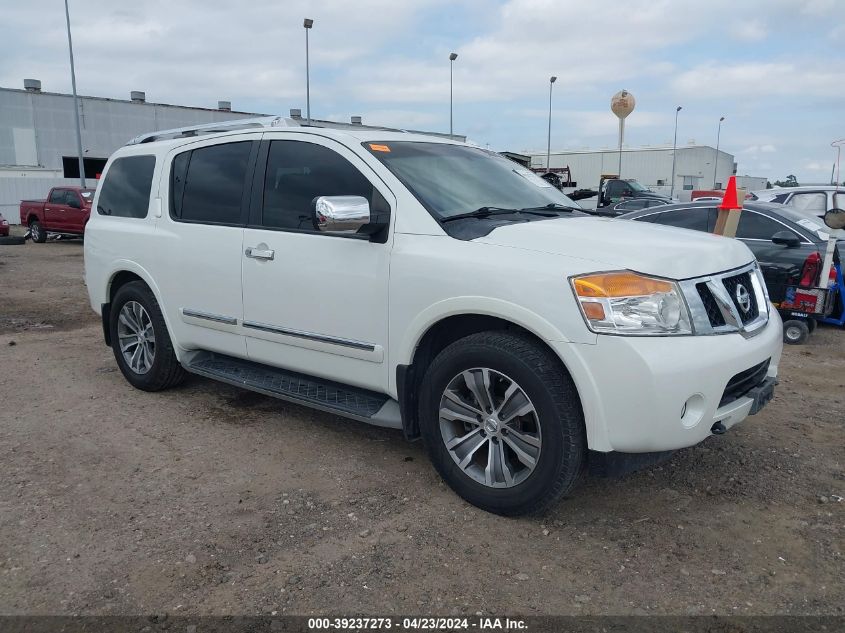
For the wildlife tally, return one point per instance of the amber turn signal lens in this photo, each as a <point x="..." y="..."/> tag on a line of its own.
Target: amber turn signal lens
<point x="379" y="148"/>
<point x="621" y="284"/>
<point x="594" y="311"/>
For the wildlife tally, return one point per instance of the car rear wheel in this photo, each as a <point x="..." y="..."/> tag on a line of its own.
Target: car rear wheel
<point x="37" y="232"/>
<point x="502" y="423"/>
<point x="140" y="341"/>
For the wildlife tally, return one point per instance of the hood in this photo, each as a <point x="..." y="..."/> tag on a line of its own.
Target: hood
<point x="624" y="244"/>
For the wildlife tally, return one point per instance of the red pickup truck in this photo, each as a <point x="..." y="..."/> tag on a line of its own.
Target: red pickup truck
<point x="65" y="211"/>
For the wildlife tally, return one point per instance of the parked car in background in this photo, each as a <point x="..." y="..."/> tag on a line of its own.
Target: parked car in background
<point x="65" y="211"/>
<point x="809" y="200"/>
<point x="626" y="206"/>
<point x="774" y="233"/>
<point x="789" y="245"/>
<point x="4" y="226"/>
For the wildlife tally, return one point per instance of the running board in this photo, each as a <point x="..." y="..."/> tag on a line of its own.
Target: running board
<point x="334" y="397"/>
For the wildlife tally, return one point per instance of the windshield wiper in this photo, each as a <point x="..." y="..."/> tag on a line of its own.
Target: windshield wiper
<point x="552" y="206"/>
<point x="486" y="212"/>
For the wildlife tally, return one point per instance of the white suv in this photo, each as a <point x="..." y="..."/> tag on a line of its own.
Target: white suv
<point x="427" y="285"/>
<point x="808" y="199"/>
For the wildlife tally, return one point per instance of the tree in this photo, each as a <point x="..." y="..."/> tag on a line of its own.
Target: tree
<point x="791" y="181"/>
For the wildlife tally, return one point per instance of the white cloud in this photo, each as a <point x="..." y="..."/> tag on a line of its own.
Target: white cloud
<point x="194" y="51"/>
<point x="817" y="165"/>
<point x="752" y="80"/>
<point x="749" y="30"/>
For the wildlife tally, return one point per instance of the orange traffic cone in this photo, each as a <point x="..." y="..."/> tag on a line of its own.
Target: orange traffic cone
<point x="729" y="200"/>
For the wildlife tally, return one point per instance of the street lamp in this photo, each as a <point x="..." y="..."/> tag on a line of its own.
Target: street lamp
<point x="674" y="151"/>
<point x="716" y="161"/>
<point x="552" y="80"/>
<point x="452" y="58"/>
<point x="307" y="23"/>
<point x="75" y="102"/>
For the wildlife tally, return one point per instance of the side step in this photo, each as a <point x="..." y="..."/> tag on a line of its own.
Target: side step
<point x="351" y="402"/>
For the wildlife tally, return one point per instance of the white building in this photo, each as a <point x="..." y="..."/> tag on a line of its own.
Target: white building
<point x="38" y="136"/>
<point x="651" y="166"/>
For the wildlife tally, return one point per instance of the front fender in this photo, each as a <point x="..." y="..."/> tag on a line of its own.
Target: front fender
<point x="455" y="306"/>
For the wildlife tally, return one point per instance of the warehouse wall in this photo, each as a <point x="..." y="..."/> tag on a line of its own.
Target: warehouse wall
<point x="37" y="129"/>
<point x="648" y="166"/>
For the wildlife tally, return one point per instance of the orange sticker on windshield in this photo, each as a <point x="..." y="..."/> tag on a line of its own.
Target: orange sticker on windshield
<point x="379" y="148"/>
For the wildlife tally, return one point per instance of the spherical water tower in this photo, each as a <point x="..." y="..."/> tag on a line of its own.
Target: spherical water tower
<point x="622" y="104"/>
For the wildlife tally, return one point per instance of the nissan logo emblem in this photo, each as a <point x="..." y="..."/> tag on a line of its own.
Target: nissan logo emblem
<point x="743" y="298"/>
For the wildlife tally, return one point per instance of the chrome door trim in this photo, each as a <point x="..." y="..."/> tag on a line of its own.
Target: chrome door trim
<point x="311" y="336"/>
<point x="217" y="318"/>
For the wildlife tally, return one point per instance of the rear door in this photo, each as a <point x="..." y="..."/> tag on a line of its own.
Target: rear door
<point x="205" y="193"/>
<point x="55" y="210"/>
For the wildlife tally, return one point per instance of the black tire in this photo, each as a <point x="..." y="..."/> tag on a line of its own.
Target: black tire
<point x="165" y="371"/>
<point x="544" y="379"/>
<point x="795" y="331"/>
<point x="11" y="240"/>
<point x="37" y="232"/>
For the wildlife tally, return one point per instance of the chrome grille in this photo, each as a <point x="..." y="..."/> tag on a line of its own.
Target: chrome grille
<point x="736" y="284"/>
<point x="719" y="306"/>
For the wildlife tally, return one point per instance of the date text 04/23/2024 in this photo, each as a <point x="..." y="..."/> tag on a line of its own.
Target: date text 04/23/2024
<point x="416" y="624"/>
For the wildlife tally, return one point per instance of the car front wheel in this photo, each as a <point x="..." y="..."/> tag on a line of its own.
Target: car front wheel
<point x="502" y="423"/>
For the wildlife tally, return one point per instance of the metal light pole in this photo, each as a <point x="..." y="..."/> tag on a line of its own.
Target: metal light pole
<point x="452" y="58"/>
<point x="716" y="161"/>
<point x="674" y="151"/>
<point x="552" y="80"/>
<point x="75" y="102"/>
<point x="307" y="23"/>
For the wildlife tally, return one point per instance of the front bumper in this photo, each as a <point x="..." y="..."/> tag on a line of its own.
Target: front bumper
<point x="648" y="394"/>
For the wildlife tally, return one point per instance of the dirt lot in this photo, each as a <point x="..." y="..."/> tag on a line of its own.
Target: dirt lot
<point x="211" y="500"/>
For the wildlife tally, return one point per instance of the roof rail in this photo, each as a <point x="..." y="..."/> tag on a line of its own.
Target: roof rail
<point x="212" y="128"/>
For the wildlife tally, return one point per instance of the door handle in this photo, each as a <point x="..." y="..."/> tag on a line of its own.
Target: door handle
<point x="260" y="253"/>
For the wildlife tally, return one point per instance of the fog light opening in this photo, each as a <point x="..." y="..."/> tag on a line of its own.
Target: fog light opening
<point x="692" y="410"/>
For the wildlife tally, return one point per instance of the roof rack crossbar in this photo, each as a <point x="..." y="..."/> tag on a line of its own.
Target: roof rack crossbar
<point x="212" y="128"/>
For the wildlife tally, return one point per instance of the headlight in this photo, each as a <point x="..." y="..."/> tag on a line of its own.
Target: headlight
<point x="627" y="303"/>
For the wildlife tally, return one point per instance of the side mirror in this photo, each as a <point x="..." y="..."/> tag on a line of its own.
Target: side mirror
<point x="340" y="214"/>
<point x="786" y="238"/>
<point x="835" y="219"/>
<point x="73" y="203"/>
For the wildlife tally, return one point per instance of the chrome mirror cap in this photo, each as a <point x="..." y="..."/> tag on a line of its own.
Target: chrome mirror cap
<point x="341" y="214"/>
<point x="835" y="219"/>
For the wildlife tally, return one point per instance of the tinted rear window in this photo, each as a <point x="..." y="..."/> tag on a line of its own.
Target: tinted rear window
<point x="126" y="188"/>
<point x="212" y="188"/>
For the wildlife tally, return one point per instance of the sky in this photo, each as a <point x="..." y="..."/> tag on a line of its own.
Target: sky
<point x="775" y="69"/>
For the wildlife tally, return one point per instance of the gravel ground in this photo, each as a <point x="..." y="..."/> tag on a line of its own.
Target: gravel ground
<point x="211" y="500"/>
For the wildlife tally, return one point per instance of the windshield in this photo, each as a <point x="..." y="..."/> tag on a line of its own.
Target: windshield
<point x="452" y="179"/>
<point x="636" y="186"/>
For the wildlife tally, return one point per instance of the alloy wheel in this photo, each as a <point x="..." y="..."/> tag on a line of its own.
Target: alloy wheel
<point x="490" y="427"/>
<point x="136" y="337"/>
